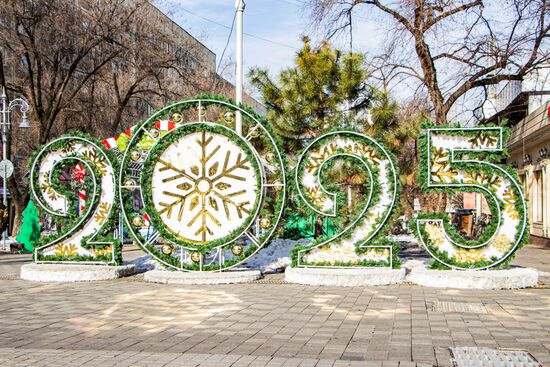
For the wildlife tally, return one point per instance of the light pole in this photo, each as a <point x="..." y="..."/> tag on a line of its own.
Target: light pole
<point x="6" y="166"/>
<point x="239" y="5"/>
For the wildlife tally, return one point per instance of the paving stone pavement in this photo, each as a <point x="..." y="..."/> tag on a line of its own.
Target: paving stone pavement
<point x="131" y="323"/>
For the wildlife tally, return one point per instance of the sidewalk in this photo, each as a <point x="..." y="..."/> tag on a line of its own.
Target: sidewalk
<point x="131" y="323"/>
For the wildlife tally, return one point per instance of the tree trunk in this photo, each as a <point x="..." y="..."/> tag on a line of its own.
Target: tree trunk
<point x="18" y="207"/>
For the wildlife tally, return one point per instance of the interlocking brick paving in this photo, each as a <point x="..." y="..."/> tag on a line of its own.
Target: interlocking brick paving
<point x="131" y="323"/>
<point x="355" y="326"/>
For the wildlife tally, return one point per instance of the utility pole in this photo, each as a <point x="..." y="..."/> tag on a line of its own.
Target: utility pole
<point x="239" y="5"/>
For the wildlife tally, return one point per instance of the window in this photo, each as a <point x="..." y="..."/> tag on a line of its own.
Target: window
<point x="538" y="197"/>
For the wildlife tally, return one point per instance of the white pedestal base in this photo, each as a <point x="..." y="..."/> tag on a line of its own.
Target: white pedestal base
<point x="471" y="279"/>
<point x="74" y="272"/>
<point x="344" y="277"/>
<point x="189" y="278"/>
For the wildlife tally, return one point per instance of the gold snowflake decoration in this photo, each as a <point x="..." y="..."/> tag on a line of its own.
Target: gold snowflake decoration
<point x="315" y="195"/>
<point x="483" y="179"/>
<point x="69" y="147"/>
<point x="365" y="151"/>
<point x="318" y="157"/>
<point x="483" y="140"/>
<point x="102" y="214"/>
<point x="104" y="251"/>
<point x="49" y="191"/>
<point x="98" y="160"/>
<point x="501" y="243"/>
<point x="435" y="235"/>
<point x="510" y="204"/>
<point x="199" y="199"/>
<point x="469" y="256"/>
<point x="441" y="167"/>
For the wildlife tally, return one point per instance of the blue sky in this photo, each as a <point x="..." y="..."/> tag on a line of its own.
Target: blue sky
<point x="277" y="20"/>
<point x="281" y="21"/>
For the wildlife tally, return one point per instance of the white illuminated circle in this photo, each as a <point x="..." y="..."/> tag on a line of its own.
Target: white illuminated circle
<point x="205" y="186"/>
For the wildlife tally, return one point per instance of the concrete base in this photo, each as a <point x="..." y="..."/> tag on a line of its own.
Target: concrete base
<point x="189" y="278"/>
<point x="471" y="279"/>
<point x="344" y="277"/>
<point x="74" y="273"/>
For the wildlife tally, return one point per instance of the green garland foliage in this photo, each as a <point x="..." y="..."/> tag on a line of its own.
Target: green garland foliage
<point x="72" y="219"/>
<point x="468" y="167"/>
<point x="378" y="240"/>
<point x="270" y="207"/>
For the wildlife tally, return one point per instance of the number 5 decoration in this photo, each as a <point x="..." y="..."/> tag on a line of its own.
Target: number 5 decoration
<point x="464" y="160"/>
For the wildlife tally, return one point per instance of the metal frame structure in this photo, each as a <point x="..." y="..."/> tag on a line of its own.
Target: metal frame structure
<point x="246" y="139"/>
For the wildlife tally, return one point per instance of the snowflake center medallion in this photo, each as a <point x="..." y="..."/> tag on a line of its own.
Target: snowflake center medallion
<point x="205" y="185"/>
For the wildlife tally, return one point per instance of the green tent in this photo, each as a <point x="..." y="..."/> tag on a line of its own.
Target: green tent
<point x="30" y="230"/>
<point x="298" y="227"/>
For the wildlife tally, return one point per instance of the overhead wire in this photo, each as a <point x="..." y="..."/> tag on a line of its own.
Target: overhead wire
<point x="227" y="43"/>
<point x="232" y="25"/>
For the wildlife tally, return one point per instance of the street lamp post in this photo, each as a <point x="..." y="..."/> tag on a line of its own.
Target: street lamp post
<point x="6" y="166"/>
<point x="239" y="5"/>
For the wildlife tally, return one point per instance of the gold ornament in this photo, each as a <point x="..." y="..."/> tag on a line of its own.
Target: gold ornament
<point x="229" y="117"/>
<point x="201" y="110"/>
<point x="237" y="250"/>
<point x="254" y="132"/>
<point x="138" y="221"/>
<point x="167" y="249"/>
<point x="130" y="185"/>
<point x="154" y="132"/>
<point x="135" y="155"/>
<point x="277" y="186"/>
<point x="265" y="223"/>
<point x="177" y="117"/>
<point x="196" y="257"/>
<point x="270" y="157"/>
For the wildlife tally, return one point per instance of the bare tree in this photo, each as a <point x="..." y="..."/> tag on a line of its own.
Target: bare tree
<point x="90" y="65"/>
<point x="456" y="47"/>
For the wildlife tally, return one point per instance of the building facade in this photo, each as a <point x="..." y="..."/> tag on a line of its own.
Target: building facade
<point x="526" y="107"/>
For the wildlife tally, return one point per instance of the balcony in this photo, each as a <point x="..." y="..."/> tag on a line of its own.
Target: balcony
<point x="531" y="129"/>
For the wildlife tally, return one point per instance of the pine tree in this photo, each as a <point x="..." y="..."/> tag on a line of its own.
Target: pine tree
<point x="30" y="230"/>
<point x="312" y="96"/>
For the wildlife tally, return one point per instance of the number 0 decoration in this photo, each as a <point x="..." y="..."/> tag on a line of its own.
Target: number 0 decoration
<point x="197" y="196"/>
<point x="214" y="198"/>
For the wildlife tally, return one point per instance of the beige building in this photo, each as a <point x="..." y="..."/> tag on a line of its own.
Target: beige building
<point x="204" y="62"/>
<point x="526" y="106"/>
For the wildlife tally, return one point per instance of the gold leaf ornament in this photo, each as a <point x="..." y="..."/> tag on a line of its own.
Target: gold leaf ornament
<point x="68" y="250"/>
<point x="469" y="256"/>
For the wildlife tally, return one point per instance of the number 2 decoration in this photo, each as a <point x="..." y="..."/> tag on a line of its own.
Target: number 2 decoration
<point x="86" y="238"/>
<point x="358" y="244"/>
<point x="199" y="197"/>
